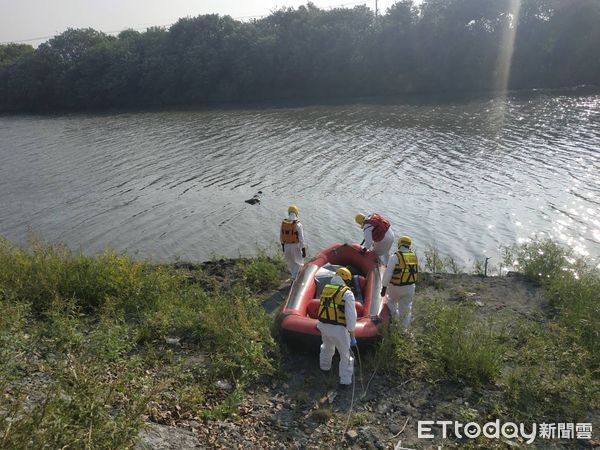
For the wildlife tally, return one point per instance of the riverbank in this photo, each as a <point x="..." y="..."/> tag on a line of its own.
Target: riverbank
<point x="97" y="349"/>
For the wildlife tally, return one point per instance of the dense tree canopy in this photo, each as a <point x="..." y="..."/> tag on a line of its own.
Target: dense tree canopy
<point x="438" y="46"/>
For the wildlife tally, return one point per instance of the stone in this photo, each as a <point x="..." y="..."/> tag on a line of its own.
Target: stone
<point x="224" y="385"/>
<point x="394" y="428"/>
<point x="173" y="341"/>
<point x="162" y="437"/>
<point x="351" y="435"/>
<point x="383" y="408"/>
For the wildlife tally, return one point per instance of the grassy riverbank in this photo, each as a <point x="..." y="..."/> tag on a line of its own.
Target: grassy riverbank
<point x="91" y="348"/>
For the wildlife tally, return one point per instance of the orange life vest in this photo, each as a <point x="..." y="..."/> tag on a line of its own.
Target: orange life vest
<point x="289" y="232"/>
<point x="380" y="226"/>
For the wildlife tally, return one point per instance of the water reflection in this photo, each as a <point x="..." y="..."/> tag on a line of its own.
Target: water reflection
<point x="459" y="175"/>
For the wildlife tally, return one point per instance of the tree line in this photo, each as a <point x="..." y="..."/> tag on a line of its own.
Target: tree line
<point x="311" y="53"/>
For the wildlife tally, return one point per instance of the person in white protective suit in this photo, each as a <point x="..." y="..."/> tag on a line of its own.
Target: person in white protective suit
<point x="399" y="281"/>
<point x="291" y="237"/>
<point x="378" y="233"/>
<point x="337" y="320"/>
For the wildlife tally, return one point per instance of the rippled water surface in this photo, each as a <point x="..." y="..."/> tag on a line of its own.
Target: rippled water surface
<point x="466" y="176"/>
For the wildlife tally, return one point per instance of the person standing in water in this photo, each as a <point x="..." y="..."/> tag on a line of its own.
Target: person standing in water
<point x="291" y="237"/>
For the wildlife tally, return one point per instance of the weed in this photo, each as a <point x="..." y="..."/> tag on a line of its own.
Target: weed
<point x="478" y="268"/>
<point x="453" y="266"/>
<point x="228" y="407"/>
<point x="550" y="376"/>
<point x="359" y="418"/>
<point x="262" y="273"/>
<point x="433" y="261"/>
<point x="459" y="346"/>
<point x="235" y="331"/>
<point x="398" y="355"/>
<point x="322" y="415"/>
<point x="572" y="286"/>
<point x="89" y="326"/>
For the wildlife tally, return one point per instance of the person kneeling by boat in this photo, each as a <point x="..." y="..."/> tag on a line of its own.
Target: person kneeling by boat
<point x="337" y="319"/>
<point x="401" y="276"/>
<point x="378" y="235"/>
<point x="292" y="241"/>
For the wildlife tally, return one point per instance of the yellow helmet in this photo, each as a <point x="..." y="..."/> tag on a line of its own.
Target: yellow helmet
<point x="360" y="219"/>
<point x="344" y="274"/>
<point x="404" y="240"/>
<point x="293" y="209"/>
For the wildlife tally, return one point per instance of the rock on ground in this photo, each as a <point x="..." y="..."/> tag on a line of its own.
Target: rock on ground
<point x="163" y="437"/>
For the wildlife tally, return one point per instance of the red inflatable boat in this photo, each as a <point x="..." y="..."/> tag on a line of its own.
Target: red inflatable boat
<point x="298" y="317"/>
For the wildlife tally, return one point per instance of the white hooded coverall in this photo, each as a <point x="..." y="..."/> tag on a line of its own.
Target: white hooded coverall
<point x="381" y="248"/>
<point x="293" y="252"/>
<point x="338" y="336"/>
<point x="400" y="298"/>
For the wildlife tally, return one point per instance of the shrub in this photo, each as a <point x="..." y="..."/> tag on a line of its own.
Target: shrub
<point x="434" y="263"/>
<point x="79" y="321"/>
<point x="262" y="273"/>
<point x="461" y="346"/>
<point x="572" y="286"/>
<point x="398" y="355"/>
<point x="236" y="331"/>
<point x="47" y="272"/>
<point x="541" y="260"/>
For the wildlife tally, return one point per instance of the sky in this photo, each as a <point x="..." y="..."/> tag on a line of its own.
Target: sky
<point x="34" y="21"/>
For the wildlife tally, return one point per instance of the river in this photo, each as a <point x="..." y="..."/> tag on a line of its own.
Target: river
<point x="466" y="176"/>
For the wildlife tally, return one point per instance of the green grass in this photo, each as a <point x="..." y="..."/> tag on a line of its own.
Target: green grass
<point x="536" y="370"/>
<point x="262" y="273"/>
<point x="556" y="365"/>
<point x="549" y="375"/>
<point x="83" y="355"/>
<point x="460" y="345"/>
<point x="83" y="352"/>
<point x="450" y="344"/>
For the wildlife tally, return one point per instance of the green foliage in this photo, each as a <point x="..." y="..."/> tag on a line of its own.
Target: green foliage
<point x="550" y="377"/>
<point x="92" y="331"/>
<point x="572" y="286"/>
<point x="461" y="346"/>
<point x="434" y="263"/>
<point x="452" y="266"/>
<point x="543" y="260"/>
<point x="227" y="407"/>
<point x="555" y="370"/>
<point x="478" y="268"/>
<point x="87" y="393"/>
<point x="453" y="345"/>
<point x="577" y="302"/>
<point x="49" y="275"/>
<point x="435" y="46"/>
<point x="399" y="355"/>
<point x="262" y="273"/>
<point x="88" y="405"/>
<point x="14" y="340"/>
<point x="10" y="53"/>
<point x="235" y="329"/>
